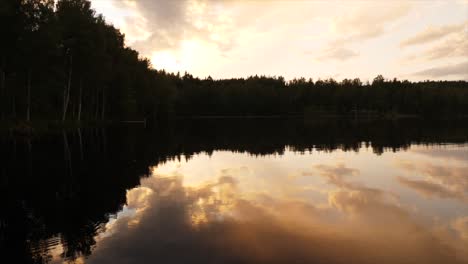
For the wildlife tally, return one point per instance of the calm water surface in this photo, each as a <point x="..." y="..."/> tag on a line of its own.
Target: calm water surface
<point x="271" y="191"/>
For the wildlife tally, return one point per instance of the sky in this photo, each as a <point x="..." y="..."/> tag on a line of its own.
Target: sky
<point x="414" y="40"/>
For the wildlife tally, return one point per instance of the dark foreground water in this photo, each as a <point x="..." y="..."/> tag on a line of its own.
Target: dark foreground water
<point x="233" y="191"/>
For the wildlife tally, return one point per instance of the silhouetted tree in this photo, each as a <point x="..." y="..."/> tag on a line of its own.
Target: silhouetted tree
<point x="62" y="61"/>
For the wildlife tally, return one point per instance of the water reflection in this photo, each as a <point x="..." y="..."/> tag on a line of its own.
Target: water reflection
<point x="224" y="221"/>
<point x="240" y="192"/>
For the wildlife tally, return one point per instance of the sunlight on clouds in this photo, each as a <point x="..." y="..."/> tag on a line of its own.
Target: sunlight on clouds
<point x="166" y="60"/>
<point x="125" y="17"/>
<point x="189" y="53"/>
<point x="315" y="39"/>
<point x="216" y="210"/>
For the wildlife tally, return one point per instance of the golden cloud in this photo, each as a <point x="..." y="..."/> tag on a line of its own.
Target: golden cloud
<point x="203" y="224"/>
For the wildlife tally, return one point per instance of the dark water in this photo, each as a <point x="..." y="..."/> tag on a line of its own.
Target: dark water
<point x="238" y="191"/>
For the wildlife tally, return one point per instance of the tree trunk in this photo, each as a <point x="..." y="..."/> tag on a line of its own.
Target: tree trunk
<point x="68" y="88"/>
<point x="13" y="110"/>
<point x="30" y="170"/>
<point x="28" y="106"/>
<point x="104" y="140"/>
<point x="96" y="110"/>
<point x="79" y="101"/>
<point x="81" y="143"/>
<point x="103" y="104"/>
<point x="73" y="110"/>
<point x="3" y="90"/>
<point x="67" y="155"/>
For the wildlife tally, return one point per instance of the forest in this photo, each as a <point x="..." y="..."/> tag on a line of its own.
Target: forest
<point x="61" y="61"/>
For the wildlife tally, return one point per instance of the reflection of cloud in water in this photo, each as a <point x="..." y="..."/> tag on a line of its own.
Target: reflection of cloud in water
<point x="335" y="175"/>
<point x="431" y="189"/>
<point x="461" y="225"/>
<point x="444" y="152"/>
<point x="444" y="181"/>
<point x="360" y="225"/>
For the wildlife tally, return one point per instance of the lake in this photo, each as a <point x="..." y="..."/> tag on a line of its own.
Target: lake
<point x="238" y="191"/>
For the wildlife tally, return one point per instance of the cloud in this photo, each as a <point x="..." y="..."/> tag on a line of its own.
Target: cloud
<point x="365" y="22"/>
<point x="334" y="174"/>
<point x="338" y="175"/>
<point x="434" y="33"/>
<point x="441" y="181"/>
<point x="277" y="231"/>
<point x="167" y="24"/>
<point x="339" y="53"/>
<point x="456" y="46"/>
<point x="453" y="44"/>
<point x="339" y="170"/>
<point x="461" y="225"/>
<point x="232" y="38"/>
<point x="430" y="189"/>
<point x="459" y="154"/>
<point x="460" y="69"/>
<point x="454" y="177"/>
<point x="356" y="199"/>
<point x="369" y="21"/>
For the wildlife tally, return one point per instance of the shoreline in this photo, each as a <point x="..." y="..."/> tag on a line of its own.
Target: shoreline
<point x="45" y="125"/>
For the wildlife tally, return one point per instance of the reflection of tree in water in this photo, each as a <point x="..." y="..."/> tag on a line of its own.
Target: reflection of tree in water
<point x="52" y="189"/>
<point x="63" y="187"/>
<point x="270" y="136"/>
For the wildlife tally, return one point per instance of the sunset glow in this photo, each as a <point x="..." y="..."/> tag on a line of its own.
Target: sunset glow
<point x="320" y="39"/>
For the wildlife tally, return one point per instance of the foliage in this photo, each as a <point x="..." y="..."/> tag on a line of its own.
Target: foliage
<point x="60" y="60"/>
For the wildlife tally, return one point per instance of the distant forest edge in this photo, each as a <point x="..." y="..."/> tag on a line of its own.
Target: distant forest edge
<point x="62" y="61"/>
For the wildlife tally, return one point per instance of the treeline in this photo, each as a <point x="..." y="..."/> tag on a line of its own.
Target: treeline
<point x="260" y="95"/>
<point x="61" y="61"/>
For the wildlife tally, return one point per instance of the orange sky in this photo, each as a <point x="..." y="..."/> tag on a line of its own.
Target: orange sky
<point x="319" y="39"/>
